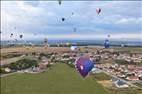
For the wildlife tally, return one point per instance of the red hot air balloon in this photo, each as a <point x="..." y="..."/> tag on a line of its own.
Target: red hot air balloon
<point x="98" y="10"/>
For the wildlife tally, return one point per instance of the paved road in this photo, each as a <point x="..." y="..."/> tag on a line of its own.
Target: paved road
<point x="139" y="81"/>
<point x="127" y="82"/>
<point x="4" y="75"/>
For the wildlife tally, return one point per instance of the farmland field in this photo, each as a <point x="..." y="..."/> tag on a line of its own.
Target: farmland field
<point x="61" y="79"/>
<point x="128" y="49"/>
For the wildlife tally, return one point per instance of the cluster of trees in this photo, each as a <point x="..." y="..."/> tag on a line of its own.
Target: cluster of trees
<point x="43" y="55"/>
<point x="66" y="56"/>
<point x="48" y="65"/>
<point x="2" y="71"/>
<point x="60" y="45"/>
<point x="71" y="63"/>
<point x="124" y="62"/>
<point x="23" y="64"/>
<point x="12" y="55"/>
<point x="46" y="55"/>
<point x="98" y="59"/>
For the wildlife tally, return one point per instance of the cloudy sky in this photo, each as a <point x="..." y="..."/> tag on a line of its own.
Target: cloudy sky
<point x="39" y="19"/>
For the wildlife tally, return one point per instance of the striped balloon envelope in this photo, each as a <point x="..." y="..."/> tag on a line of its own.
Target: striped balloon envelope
<point x="84" y="65"/>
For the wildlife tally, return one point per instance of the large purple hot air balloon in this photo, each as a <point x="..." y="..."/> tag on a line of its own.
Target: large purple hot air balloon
<point x="84" y="65"/>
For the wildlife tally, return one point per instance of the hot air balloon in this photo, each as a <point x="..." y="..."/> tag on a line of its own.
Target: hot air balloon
<point x="67" y="44"/>
<point x="63" y="19"/>
<point x="45" y="42"/>
<point x="84" y="65"/>
<point x="98" y="10"/>
<point x="72" y="13"/>
<point x="106" y="44"/>
<point x="122" y="45"/>
<point x="108" y="36"/>
<point x="73" y="48"/>
<point x="60" y="2"/>
<point x="34" y="34"/>
<point x="11" y="34"/>
<point x="16" y="40"/>
<point x="21" y="36"/>
<point x="74" y="29"/>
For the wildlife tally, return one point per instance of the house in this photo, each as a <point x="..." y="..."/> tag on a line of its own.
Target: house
<point x="122" y="75"/>
<point x="114" y="80"/>
<point x="7" y="70"/>
<point x="132" y="78"/>
<point x="118" y="83"/>
<point x="35" y="69"/>
<point x="121" y="84"/>
<point x="43" y="65"/>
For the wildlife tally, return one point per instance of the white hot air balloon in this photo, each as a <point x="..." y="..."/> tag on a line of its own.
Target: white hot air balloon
<point x="73" y="48"/>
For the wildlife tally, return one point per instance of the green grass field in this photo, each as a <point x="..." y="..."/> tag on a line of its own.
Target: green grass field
<point x="61" y="79"/>
<point x="102" y="76"/>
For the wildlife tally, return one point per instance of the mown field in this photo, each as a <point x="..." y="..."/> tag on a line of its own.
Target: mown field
<point x="34" y="49"/>
<point x="13" y="50"/>
<point x="61" y="79"/>
<point x="128" y="49"/>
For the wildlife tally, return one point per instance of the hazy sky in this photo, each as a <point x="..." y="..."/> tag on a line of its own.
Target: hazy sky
<point x="40" y="19"/>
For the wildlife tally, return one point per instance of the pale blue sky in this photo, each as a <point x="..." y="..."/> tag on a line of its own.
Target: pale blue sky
<point x="120" y="19"/>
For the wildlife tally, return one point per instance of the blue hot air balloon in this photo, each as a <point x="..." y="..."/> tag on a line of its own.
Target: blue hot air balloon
<point x="106" y="44"/>
<point x="84" y="65"/>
